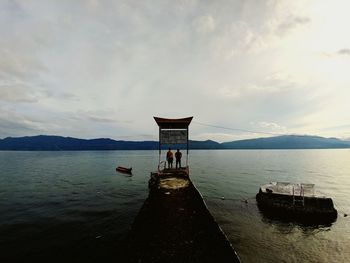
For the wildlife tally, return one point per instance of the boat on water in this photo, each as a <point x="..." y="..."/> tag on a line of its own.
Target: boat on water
<point x="122" y="169"/>
<point x="295" y="201"/>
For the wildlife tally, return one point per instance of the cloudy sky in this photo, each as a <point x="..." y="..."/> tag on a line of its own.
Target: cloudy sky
<point x="90" y="68"/>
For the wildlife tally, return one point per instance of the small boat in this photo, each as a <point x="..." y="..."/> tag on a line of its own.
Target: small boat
<point x="123" y="170"/>
<point x="295" y="201"/>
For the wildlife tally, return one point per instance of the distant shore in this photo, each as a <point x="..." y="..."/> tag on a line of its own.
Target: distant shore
<point x="59" y="143"/>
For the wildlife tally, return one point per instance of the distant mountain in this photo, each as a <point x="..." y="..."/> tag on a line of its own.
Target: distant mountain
<point x="58" y="143"/>
<point x="208" y="144"/>
<point x="288" y="142"/>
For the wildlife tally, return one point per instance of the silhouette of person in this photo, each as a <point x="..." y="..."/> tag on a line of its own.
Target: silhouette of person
<point x="178" y="156"/>
<point x="170" y="158"/>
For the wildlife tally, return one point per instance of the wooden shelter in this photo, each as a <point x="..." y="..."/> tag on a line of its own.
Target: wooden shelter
<point x="173" y="132"/>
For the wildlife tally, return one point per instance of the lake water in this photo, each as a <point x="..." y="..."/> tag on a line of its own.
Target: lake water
<point x="73" y="203"/>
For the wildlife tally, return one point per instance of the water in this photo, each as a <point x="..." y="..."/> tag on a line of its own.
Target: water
<point x="74" y="203"/>
<point x="237" y="174"/>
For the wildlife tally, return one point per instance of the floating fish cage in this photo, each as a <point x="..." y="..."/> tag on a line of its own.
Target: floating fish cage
<point x="295" y="201"/>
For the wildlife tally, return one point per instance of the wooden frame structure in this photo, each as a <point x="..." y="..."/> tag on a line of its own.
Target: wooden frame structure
<point x="173" y="131"/>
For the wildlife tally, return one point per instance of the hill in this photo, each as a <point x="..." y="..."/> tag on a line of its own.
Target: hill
<point x="288" y="142"/>
<point x="58" y="143"/>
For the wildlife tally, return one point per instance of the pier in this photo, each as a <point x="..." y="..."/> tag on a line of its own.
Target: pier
<point x="174" y="223"/>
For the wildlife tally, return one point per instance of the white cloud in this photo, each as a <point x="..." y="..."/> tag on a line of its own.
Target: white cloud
<point x="291" y="22"/>
<point x="204" y="24"/>
<point x="344" y="51"/>
<point x="119" y="63"/>
<point x="18" y="91"/>
<point x="263" y="126"/>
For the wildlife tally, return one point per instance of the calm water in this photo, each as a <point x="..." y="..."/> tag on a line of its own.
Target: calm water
<point x="52" y="201"/>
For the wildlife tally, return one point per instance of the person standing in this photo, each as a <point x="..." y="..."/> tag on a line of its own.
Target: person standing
<point x="178" y="156"/>
<point x="170" y="158"/>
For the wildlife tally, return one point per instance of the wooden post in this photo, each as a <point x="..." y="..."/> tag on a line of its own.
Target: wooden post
<point x="187" y="147"/>
<point x="159" y="146"/>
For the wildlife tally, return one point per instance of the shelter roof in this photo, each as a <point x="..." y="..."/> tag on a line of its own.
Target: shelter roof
<point x="182" y="123"/>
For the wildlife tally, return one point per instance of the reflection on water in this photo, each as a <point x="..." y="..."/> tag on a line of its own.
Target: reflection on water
<point x="262" y="238"/>
<point x="308" y="221"/>
<point x="75" y="201"/>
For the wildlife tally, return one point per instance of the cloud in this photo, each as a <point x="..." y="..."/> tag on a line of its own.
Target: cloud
<point x="272" y="127"/>
<point x="204" y="24"/>
<point x="99" y="116"/>
<point x="332" y="54"/>
<point x="291" y="22"/>
<point x="101" y="119"/>
<point x="68" y="96"/>
<point x="76" y="124"/>
<point x="277" y="82"/>
<point x="238" y="39"/>
<point x="85" y="68"/>
<point x="344" y="51"/>
<point x="337" y="127"/>
<point x="19" y="61"/>
<point x="227" y="92"/>
<point x="18" y="124"/>
<point x="19" y="91"/>
<point x="15" y="91"/>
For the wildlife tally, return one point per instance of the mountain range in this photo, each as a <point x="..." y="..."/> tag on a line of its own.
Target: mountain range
<point x="58" y="143"/>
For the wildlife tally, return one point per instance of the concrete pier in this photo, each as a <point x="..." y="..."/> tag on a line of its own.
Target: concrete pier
<point x="174" y="225"/>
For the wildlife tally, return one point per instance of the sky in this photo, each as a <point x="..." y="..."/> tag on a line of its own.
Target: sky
<point x="92" y="69"/>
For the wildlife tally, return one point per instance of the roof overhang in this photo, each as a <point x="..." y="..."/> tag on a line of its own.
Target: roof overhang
<point x="164" y="123"/>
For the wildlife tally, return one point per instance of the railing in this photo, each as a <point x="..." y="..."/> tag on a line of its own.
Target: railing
<point x="162" y="163"/>
<point x="299" y="199"/>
